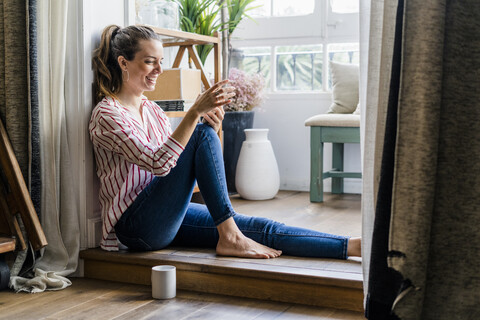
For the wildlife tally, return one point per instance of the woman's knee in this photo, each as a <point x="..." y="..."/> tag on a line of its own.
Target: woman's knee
<point x="205" y="129"/>
<point x="201" y="133"/>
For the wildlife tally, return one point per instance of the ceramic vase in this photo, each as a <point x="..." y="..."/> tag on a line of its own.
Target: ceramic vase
<point x="257" y="176"/>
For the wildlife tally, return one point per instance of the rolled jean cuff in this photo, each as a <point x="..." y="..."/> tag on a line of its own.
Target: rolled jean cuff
<point x="224" y="217"/>
<point x="345" y="248"/>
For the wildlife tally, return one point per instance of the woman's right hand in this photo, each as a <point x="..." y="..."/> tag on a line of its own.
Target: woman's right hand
<point x="217" y="96"/>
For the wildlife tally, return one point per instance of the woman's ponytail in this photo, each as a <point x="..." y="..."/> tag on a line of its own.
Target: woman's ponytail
<point x="107" y="73"/>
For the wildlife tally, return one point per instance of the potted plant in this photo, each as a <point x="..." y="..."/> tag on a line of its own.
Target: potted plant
<point x="206" y="16"/>
<point x="201" y="17"/>
<point x="249" y="94"/>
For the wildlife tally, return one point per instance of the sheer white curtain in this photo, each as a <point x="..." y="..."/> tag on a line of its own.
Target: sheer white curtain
<point x="60" y="218"/>
<point x="377" y="31"/>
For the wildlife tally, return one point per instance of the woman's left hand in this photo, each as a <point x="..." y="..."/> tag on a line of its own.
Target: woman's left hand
<point x="214" y="118"/>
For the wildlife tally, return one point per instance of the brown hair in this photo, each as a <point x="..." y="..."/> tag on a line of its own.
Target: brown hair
<point x="115" y="42"/>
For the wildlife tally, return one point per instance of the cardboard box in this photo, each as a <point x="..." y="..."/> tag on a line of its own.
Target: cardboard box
<point x="176" y="84"/>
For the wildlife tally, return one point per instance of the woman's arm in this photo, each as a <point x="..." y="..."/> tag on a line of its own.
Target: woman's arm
<point x="110" y="131"/>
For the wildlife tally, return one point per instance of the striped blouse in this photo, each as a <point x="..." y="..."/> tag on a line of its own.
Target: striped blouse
<point x="128" y="156"/>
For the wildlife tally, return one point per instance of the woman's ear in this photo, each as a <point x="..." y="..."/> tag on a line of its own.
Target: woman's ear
<point x="122" y="62"/>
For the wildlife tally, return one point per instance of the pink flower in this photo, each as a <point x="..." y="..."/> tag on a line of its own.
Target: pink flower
<point x="249" y="90"/>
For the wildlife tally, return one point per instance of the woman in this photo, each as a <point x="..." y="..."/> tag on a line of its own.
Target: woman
<point x="147" y="173"/>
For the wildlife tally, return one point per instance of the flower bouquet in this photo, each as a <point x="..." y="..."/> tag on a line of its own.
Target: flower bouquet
<point x="249" y="90"/>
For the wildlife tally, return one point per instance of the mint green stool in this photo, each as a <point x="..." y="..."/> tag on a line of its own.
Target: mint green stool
<point x="336" y="129"/>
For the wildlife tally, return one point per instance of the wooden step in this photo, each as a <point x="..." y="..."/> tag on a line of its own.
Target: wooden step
<point x="316" y="282"/>
<point x="7" y="244"/>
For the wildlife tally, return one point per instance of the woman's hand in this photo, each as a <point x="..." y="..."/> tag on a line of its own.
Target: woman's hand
<point x="210" y="105"/>
<point x="216" y="97"/>
<point x="214" y="118"/>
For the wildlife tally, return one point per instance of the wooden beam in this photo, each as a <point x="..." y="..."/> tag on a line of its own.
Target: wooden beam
<point x="7" y="244"/>
<point x="179" y="57"/>
<point x="185" y="35"/>
<point x="183" y="43"/>
<point x="196" y="60"/>
<point x="217" y="54"/>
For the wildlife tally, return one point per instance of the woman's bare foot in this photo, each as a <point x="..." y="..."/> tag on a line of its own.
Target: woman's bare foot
<point x="232" y="242"/>
<point x="354" y="247"/>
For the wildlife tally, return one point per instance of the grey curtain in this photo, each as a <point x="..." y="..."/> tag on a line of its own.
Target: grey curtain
<point x="14" y="79"/>
<point x="18" y="95"/>
<point x="35" y="180"/>
<point x="425" y="260"/>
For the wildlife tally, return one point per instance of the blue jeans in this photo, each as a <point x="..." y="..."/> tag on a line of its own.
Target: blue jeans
<point x="162" y="214"/>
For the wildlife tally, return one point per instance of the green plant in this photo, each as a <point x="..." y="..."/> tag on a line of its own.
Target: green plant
<point x="202" y="17"/>
<point x="199" y="16"/>
<point x="207" y="25"/>
<point x="237" y="10"/>
<point x="191" y="12"/>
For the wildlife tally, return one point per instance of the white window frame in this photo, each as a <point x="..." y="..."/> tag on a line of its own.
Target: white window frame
<point x="321" y="27"/>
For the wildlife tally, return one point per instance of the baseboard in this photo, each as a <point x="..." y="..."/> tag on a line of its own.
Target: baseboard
<point x="94" y="232"/>
<point x="353" y="186"/>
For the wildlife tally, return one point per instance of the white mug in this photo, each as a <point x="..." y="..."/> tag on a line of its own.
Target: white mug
<point x="164" y="282"/>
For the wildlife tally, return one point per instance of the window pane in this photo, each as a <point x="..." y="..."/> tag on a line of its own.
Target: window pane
<point x="264" y="8"/>
<point x="285" y="8"/>
<point x="252" y="60"/>
<point x="344" y="53"/>
<point x="344" y="6"/>
<point x="299" y="67"/>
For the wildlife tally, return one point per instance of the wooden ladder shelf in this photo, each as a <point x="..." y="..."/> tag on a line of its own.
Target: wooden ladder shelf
<point x="15" y="200"/>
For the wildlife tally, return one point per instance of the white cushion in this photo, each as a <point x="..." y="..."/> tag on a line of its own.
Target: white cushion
<point x="357" y="111"/>
<point x="333" y="120"/>
<point x="344" y="87"/>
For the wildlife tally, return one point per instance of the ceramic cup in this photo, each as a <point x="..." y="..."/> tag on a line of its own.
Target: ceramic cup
<point x="164" y="282"/>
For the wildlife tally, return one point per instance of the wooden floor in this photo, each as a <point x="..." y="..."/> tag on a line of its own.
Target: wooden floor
<point x="96" y="299"/>
<point x="319" y="282"/>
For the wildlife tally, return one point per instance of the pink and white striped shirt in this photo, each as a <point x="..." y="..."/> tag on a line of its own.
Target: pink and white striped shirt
<point x="128" y="156"/>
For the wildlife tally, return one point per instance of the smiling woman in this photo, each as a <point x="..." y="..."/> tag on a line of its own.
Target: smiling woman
<point x="147" y="173"/>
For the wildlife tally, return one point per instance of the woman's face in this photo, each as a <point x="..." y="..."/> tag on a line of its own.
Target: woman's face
<point x="144" y="69"/>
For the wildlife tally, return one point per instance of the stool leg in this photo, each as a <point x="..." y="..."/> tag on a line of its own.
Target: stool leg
<point x="316" y="165"/>
<point x="337" y="165"/>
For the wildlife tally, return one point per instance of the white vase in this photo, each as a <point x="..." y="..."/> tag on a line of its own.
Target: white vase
<point x="257" y="176"/>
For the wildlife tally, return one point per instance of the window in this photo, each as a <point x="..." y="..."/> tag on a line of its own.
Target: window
<point x="299" y="67"/>
<point x="344" y="6"/>
<point x="253" y="60"/>
<point x="283" y="8"/>
<point x="291" y="42"/>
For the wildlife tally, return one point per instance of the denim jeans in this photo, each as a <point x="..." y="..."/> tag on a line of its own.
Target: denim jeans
<point x="162" y="214"/>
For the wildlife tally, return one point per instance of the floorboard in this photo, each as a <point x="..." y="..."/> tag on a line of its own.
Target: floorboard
<point x="96" y="299"/>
